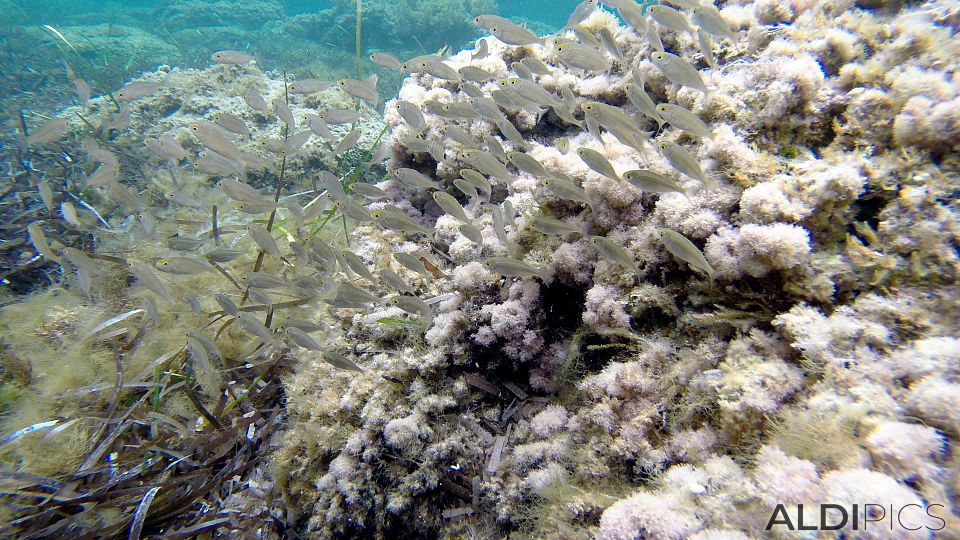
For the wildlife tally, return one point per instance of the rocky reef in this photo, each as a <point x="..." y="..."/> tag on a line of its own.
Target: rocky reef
<point x="542" y="320"/>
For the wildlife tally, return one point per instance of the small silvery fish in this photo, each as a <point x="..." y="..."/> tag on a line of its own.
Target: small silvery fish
<point x="385" y="60"/>
<point x="240" y="191"/>
<point x="546" y="225"/>
<point x="283" y="112"/>
<point x="684" y="119"/>
<point x="652" y="182"/>
<point x="528" y="164"/>
<point x="684" y="162"/>
<point x="475" y="74"/>
<point x="412" y="263"/>
<point x="477" y="180"/>
<point x="598" y="162"/>
<point x="414" y="305"/>
<point x="232" y="57"/>
<point x="254" y="100"/>
<point x="347" y="142"/>
<point x="708" y="18"/>
<point x="471" y="232"/>
<point x="251" y="325"/>
<point x="449" y="204"/>
<point x="481" y="50"/>
<point x="580" y="13"/>
<point x="49" y="131"/>
<point x="682" y="248"/>
<point x="356" y="264"/>
<point x="612" y="251"/>
<point x="511" y="34"/>
<point x="150" y="281"/>
<point x="69" y="213"/>
<point x="339" y="116"/>
<point x="415" y="178"/>
<point x="365" y="89"/>
<point x="309" y="86"/>
<point x="670" y="18"/>
<point x="353" y="210"/>
<point x="302" y="339"/>
<point x="265" y="240"/>
<point x="392" y="279"/>
<point x="466" y="188"/>
<point x="565" y="189"/>
<point x="678" y="70"/>
<point x="395" y="220"/>
<point x="339" y="361"/>
<point x="232" y="123"/>
<point x="183" y="266"/>
<point x="508" y="267"/>
<point x="136" y="90"/>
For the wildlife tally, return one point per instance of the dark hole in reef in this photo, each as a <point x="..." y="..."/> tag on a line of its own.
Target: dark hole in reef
<point x="562" y="306"/>
<point x="867" y="208"/>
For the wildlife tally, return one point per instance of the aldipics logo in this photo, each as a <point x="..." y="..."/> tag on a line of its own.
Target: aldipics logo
<point x="858" y="517"/>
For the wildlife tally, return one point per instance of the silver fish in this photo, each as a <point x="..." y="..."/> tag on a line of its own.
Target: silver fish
<point x="149" y="280"/>
<point x="652" y="182"/>
<point x="598" y="162"/>
<point x="265" y="240"/>
<point x="612" y="251"/>
<point x="684" y="119"/>
<point x="449" y="204"/>
<point x="385" y="60"/>
<point x="508" y="267"/>
<point x="254" y="100"/>
<point x="682" y="248"/>
<point x="684" y="162"/>
<point x="136" y="90"/>
<point x="678" y="70"/>
<point x="232" y="57"/>
<point x="670" y="18"/>
<point x="365" y="89"/>
<point x="708" y="18"/>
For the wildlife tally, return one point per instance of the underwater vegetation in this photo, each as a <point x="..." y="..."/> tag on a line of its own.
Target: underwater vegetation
<point x="647" y="277"/>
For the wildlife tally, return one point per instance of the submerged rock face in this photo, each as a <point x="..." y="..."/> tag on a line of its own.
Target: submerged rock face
<point x="558" y="312"/>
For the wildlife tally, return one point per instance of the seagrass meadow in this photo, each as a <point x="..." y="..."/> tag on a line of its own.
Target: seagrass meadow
<point x="472" y="269"/>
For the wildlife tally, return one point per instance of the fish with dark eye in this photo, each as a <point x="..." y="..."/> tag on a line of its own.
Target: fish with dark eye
<point x="393" y="280"/>
<point x="264" y="240"/>
<point x="553" y="227"/>
<point x="413" y="305"/>
<point x="385" y="60"/>
<point x="684" y="162"/>
<point x="708" y="18"/>
<point x="651" y="182"/>
<point x="136" y="90"/>
<point x="670" y="18"/>
<point x="395" y="220"/>
<point x="232" y="123"/>
<point x="684" y="119"/>
<point x="309" y="86"/>
<point x="365" y="89"/>
<point x="508" y="267"/>
<point x="678" y="70"/>
<point x="149" y="280"/>
<point x="415" y="178"/>
<point x="598" y="163"/>
<point x="564" y="188"/>
<point x="232" y="57"/>
<point x="449" y="204"/>
<point x="183" y="266"/>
